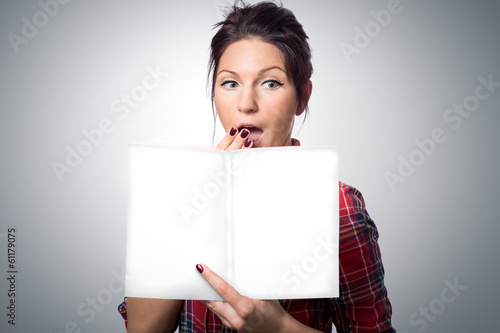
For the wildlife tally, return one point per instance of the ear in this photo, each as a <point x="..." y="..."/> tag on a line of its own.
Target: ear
<point x="307" y="90"/>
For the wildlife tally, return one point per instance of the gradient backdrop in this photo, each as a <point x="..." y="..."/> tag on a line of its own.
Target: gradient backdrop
<point x="405" y="97"/>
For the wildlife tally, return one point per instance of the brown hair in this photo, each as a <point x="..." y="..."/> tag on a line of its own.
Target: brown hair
<point x="270" y="23"/>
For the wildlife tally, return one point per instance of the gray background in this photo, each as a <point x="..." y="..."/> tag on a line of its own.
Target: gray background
<point x="439" y="225"/>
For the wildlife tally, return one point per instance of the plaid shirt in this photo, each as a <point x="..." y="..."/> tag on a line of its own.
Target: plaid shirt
<point x="363" y="305"/>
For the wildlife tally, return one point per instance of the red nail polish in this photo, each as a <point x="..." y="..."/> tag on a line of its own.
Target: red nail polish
<point x="233" y="131"/>
<point x="248" y="142"/>
<point x="245" y="133"/>
<point x="199" y="268"/>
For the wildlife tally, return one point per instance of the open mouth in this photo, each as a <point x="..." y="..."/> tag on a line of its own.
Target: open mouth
<point x="255" y="133"/>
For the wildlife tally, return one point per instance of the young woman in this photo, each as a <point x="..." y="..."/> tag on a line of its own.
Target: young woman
<point x="260" y="69"/>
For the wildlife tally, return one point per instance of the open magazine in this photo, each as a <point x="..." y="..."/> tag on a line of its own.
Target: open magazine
<point x="264" y="219"/>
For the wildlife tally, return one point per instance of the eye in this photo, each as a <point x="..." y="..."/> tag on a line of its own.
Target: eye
<point x="272" y="84"/>
<point x="229" y="84"/>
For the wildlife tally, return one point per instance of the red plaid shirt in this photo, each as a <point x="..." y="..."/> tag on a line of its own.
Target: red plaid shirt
<point x="363" y="305"/>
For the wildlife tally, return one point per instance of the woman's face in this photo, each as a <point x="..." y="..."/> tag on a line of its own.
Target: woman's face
<point x="252" y="90"/>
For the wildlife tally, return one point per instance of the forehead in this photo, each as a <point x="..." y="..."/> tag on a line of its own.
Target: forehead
<point x="250" y="55"/>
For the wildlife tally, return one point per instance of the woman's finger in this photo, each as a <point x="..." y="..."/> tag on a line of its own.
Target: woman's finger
<point x="241" y="140"/>
<point x="224" y="289"/>
<point x="223" y="310"/>
<point x="228" y="139"/>
<point x="239" y="312"/>
<point x="234" y="140"/>
<point x="248" y="143"/>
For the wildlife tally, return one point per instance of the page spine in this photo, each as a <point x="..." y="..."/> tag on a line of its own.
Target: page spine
<point x="229" y="219"/>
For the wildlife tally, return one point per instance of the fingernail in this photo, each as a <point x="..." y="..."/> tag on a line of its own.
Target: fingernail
<point x="199" y="268"/>
<point x="245" y="133"/>
<point x="248" y="142"/>
<point x="233" y="131"/>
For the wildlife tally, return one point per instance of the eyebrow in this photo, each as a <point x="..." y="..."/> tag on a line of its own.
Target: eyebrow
<point x="262" y="71"/>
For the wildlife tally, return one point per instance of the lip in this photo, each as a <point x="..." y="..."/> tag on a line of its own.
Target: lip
<point x="240" y="126"/>
<point x="249" y="125"/>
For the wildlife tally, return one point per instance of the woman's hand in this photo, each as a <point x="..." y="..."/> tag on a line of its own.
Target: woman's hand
<point x="246" y="314"/>
<point x="242" y="313"/>
<point x="235" y="140"/>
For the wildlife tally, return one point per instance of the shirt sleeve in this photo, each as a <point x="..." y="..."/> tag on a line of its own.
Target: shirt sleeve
<point x="122" y="308"/>
<point x="363" y="305"/>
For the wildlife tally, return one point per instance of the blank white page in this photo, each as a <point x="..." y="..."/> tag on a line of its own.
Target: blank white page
<point x="285" y="223"/>
<point x="176" y="219"/>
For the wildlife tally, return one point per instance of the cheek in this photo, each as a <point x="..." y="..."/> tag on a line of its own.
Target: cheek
<point x="222" y="107"/>
<point x="284" y="117"/>
<point x="279" y="124"/>
<point x="283" y="124"/>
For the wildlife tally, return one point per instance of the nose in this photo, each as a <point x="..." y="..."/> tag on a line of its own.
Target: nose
<point x="247" y="101"/>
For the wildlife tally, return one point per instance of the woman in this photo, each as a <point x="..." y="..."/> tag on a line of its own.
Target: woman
<point x="260" y="67"/>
